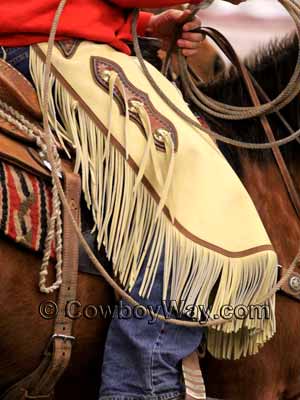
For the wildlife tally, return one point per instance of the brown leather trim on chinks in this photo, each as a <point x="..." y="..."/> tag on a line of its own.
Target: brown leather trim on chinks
<point x="150" y="188"/>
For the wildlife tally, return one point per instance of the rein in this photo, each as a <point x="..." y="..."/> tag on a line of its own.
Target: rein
<point x="223" y="111"/>
<point x="252" y="87"/>
<point x="52" y="154"/>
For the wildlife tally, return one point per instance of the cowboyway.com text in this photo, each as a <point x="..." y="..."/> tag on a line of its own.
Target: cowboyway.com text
<point x="74" y="309"/>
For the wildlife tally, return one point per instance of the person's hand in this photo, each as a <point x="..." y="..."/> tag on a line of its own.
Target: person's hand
<point x="163" y="26"/>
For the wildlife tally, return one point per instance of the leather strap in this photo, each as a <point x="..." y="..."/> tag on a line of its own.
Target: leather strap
<point x="26" y="158"/>
<point x="193" y="379"/>
<point x="19" y="93"/>
<point x="16" y="90"/>
<point x="62" y="339"/>
<point x="223" y="43"/>
<point x="40" y="384"/>
<point x="228" y="50"/>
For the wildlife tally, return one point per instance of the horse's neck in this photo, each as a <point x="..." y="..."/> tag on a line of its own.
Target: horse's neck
<point x="258" y="171"/>
<point x="263" y="179"/>
<point x="264" y="183"/>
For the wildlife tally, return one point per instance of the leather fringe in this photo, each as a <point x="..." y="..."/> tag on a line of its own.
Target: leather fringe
<point x="126" y="221"/>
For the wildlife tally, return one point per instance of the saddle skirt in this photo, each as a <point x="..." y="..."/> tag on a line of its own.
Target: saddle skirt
<point x="155" y="186"/>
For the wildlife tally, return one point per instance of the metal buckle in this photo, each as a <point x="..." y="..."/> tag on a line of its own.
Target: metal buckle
<point x="63" y="337"/>
<point x="58" y="336"/>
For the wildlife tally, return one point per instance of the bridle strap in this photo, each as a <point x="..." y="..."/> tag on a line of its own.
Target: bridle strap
<point x="291" y="287"/>
<point x="228" y="50"/>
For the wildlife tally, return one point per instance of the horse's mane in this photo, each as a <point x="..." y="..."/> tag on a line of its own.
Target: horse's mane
<point x="272" y="66"/>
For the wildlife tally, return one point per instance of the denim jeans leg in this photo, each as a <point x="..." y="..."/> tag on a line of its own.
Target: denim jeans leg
<point x="18" y="57"/>
<point x="142" y="357"/>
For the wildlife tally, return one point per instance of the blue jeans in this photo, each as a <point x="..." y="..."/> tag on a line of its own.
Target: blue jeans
<point x="18" y="57"/>
<point x="142" y="357"/>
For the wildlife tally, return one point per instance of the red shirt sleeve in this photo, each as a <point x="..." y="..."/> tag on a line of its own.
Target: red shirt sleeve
<point x="144" y="17"/>
<point x="125" y="34"/>
<point x="143" y="22"/>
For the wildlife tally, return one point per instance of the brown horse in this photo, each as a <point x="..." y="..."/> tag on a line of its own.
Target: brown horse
<point x="25" y="333"/>
<point x="274" y="373"/>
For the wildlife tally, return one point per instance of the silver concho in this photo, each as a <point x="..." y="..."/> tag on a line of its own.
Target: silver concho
<point x="294" y="283"/>
<point x="160" y="134"/>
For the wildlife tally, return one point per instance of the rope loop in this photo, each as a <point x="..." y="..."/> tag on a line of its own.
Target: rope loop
<point x="221" y="110"/>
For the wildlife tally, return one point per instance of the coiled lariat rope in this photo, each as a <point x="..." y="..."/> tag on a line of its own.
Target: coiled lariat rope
<point x="226" y="111"/>
<point x="230" y="112"/>
<point x="46" y="141"/>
